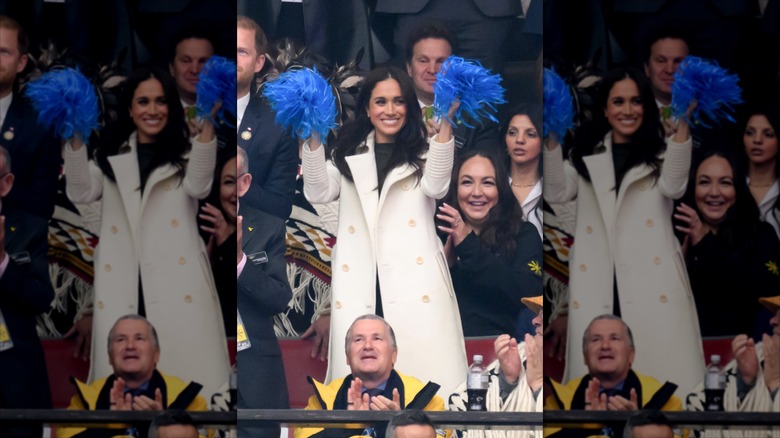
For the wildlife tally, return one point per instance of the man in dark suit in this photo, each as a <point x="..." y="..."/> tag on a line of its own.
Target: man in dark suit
<point x="482" y="26"/>
<point x="335" y="29"/>
<point x="34" y="150"/>
<point x="427" y="48"/>
<point x="263" y="291"/>
<point x="272" y="152"/>
<point x="25" y="291"/>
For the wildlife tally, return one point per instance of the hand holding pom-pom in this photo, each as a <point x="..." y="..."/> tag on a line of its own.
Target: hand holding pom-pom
<point x="216" y="82"/>
<point x="558" y="106"/>
<point x="467" y="81"/>
<point x="711" y="86"/>
<point x="65" y="101"/>
<point x="303" y="101"/>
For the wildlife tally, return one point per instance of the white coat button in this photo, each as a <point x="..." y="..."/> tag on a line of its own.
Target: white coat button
<point x="575" y="304"/>
<point x="182" y="260"/>
<point x="107" y="268"/>
<point x="345" y="268"/>
<point x="589" y="229"/>
<point x="426" y="298"/>
<point x="420" y="260"/>
<point x="351" y="229"/>
<point x="188" y="298"/>
<point x="337" y="305"/>
<point x="583" y="268"/>
<point x="663" y="298"/>
<point x="657" y="261"/>
<point x="412" y="223"/>
<point x="114" y="229"/>
<point x="100" y="305"/>
<point x="174" y="223"/>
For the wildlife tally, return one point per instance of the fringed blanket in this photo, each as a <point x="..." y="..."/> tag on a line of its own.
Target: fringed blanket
<point x="310" y="241"/>
<point x="557" y="240"/>
<point x="71" y="254"/>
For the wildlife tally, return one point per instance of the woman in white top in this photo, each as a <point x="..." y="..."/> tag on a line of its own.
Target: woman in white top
<point x="760" y="140"/>
<point x="524" y="148"/>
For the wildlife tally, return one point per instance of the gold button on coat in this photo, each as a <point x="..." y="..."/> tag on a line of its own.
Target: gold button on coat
<point x="174" y="223"/>
<point x="100" y="305"/>
<point x="663" y="298"/>
<point x="575" y="304"/>
<point x="188" y="298"/>
<point x="649" y="223"/>
<point x="351" y="229"/>
<point x="412" y="223"/>
<point x="583" y="268"/>
<point x="426" y="298"/>
<point x="182" y="260"/>
<point x="420" y="260"/>
<point x="337" y="305"/>
<point x="114" y="229"/>
<point x="107" y="268"/>
<point x="589" y="229"/>
<point x="345" y="268"/>
<point x="657" y="260"/>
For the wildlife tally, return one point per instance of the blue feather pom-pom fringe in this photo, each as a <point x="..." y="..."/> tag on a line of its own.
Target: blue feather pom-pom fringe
<point x="714" y="89"/>
<point x="478" y="90"/>
<point x="303" y="101"/>
<point x="558" y="105"/>
<point x="65" y="101"/>
<point x="217" y="81"/>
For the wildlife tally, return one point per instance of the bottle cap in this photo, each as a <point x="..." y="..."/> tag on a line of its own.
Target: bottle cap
<point x="715" y="358"/>
<point x="477" y="358"/>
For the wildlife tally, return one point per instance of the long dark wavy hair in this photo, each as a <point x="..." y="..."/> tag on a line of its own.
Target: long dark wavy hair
<point x="173" y="139"/>
<point x="534" y="114"/>
<point x="410" y="142"/>
<point x="505" y="219"/>
<point x="646" y="143"/>
<point x="742" y="218"/>
<point x="771" y="111"/>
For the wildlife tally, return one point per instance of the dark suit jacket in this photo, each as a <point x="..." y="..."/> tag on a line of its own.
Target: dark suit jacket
<point x="728" y="8"/>
<point x="335" y="29"/>
<point x="25" y="291"/>
<point x="491" y="8"/>
<point x="35" y="159"/>
<point x="263" y="291"/>
<point x="273" y="160"/>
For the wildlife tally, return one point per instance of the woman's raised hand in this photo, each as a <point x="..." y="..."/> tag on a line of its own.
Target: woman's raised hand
<point x="458" y="229"/>
<point x="694" y="228"/>
<point x="445" y="129"/>
<point x="205" y="127"/>
<point x="682" y="130"/>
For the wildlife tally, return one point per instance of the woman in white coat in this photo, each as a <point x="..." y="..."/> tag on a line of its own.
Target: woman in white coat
<point x="150" y="259"/>
<point x="388" y="259"/>
<point x="625" y="258"/>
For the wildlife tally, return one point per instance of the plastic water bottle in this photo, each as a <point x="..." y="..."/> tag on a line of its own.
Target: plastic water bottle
<point x="477" y="385"/>
<point x="714" y="385"/>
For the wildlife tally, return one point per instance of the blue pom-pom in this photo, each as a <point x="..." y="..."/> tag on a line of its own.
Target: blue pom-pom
<point x="217" y="81"/>
<point x="467" y="80"/>
<point x="714" y="89"/>
<point x="65" y="101"/>
<point x="558" y="105"/>
<point x="303" y="101"/>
